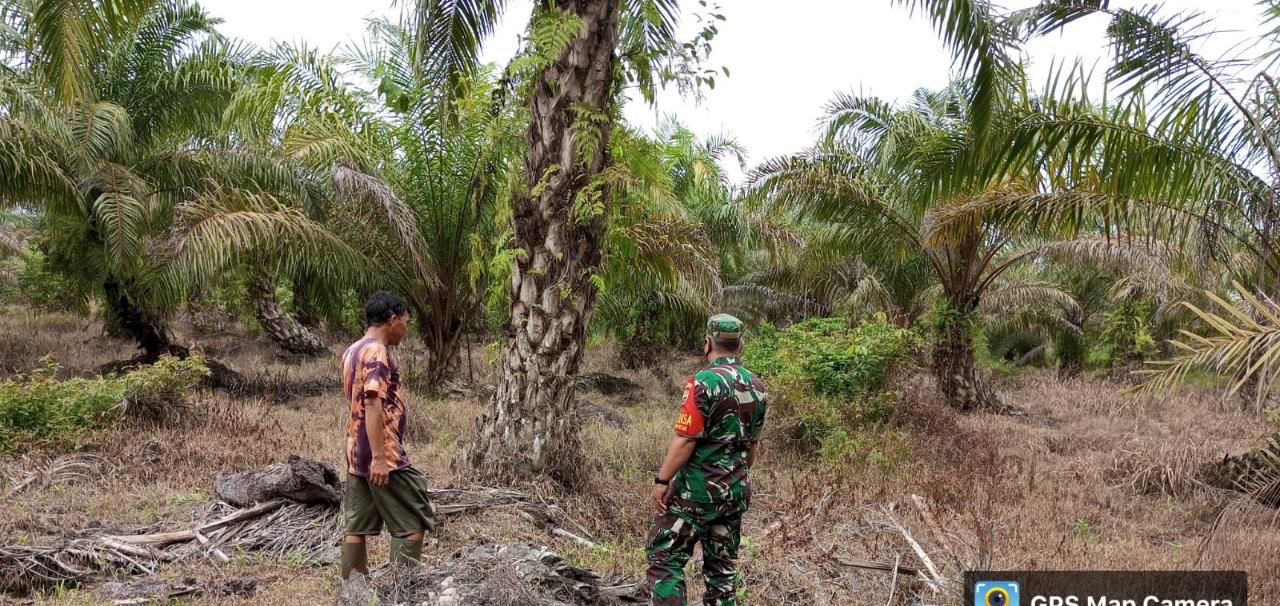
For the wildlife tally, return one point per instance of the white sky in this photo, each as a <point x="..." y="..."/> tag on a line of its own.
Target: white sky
<point x="786" y="59"/>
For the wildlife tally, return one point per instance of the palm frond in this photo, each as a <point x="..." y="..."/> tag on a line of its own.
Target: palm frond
<point x="1061" y="214"/>
<point x="449" y="34"/>
<point x="371" y="194"/>
<point x="980" y="44"/>
<point x="120" y="213"/>
<point x="104" y="131"/>
<point x="647" y="43"/>
<point x="757" y="301"/>
<point x="829" y="184"/>
<point x="11" y="241"/>
<point x="858" y="116"/>
<point x="1243" y="343"/>
<point x="33" y="173"/>
<point x="65" y="34"/>
<point x="222" y="229"/>
<point x="1014" y="296"/>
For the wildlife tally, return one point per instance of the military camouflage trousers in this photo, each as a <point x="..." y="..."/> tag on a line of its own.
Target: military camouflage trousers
<point x="718" y="526"/>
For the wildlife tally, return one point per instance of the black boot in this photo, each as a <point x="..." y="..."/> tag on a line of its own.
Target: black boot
<point x="405" y="552"/>
<point x="355" y="557"/>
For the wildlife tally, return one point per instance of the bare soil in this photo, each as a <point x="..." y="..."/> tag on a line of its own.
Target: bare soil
<point x="1086" y="480"/>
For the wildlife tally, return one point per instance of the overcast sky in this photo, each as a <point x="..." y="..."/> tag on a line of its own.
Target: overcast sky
<point x="786" y="59"/>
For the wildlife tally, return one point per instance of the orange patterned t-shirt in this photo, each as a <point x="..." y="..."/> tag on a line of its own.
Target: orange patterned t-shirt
<point x="368" y="369"/>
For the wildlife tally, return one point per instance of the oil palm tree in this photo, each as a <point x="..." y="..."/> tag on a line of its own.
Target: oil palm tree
<point x="401" y="166"/>
<point x="568" y="81"/>
<point x="1185" y="148"/>
<point x="290" y="88"/>
<point x="109" y="116"/>
<point x="875" y="184"/>
<point x="439" y="188"/>
<point x="661" y="265"/>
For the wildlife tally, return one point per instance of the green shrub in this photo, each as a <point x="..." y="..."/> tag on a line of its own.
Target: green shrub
<point x="1127" y="335"/>
<point x="40" y="409"/>
<point x="827" y="381"/>
<point x="162" y="389"/>
<point x="38" y="285"/>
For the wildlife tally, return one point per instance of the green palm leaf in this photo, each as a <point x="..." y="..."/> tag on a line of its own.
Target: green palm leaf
<point x="449" y="33"/>
<point x="224" y="229"/>
<point x="980" y="44"/>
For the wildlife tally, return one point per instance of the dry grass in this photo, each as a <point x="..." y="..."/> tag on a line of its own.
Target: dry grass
<point x="1085" y="480"/>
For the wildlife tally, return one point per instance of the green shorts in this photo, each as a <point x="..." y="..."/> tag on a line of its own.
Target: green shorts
<point x="403" y="505"/>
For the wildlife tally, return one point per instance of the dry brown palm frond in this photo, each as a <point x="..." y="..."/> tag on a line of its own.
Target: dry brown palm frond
<point x="368" y="191"/>
<point x="761" y="301"/>
<point x="677" y="245"/>
<point x="1013" y="296"/>
<point x="1243" y="342"/>
<point x="869" y="295"/>
<point x="1160" y="468"/>
<point x="1121" y="252"/>
<point x="64" y="470"/>
<point x="1149" y="267"/>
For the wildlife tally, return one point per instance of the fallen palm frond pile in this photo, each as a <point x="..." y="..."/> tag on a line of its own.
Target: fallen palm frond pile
<point x="278" y="387"/>
<point x="1255" y="473"/>
<point x="282" y="527"/>
<point x="498" y="575"/>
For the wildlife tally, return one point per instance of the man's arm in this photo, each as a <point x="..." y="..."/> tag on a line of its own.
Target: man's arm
<point x="751" y="454"/>
<point x="373" y="430"/>
<point x="678" y="453"/>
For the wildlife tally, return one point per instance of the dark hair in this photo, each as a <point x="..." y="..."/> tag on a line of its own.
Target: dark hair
<point x="726" y="345"/>
<point x="382" y="306"/>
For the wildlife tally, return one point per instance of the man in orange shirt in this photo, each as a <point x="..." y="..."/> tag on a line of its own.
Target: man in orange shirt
<point x="382" y="487"/>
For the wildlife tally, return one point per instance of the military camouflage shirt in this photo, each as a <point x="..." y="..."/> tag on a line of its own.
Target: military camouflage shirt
<point x="724" y="409"/>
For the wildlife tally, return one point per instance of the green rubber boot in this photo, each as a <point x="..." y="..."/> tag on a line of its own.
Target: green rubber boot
<point x="354" y="557"/>
<point x="405" y="552"/>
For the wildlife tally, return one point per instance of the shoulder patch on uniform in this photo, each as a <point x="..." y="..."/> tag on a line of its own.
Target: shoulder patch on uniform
<point x="690" y="421"/>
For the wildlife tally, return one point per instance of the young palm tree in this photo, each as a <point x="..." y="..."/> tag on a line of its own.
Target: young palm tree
<point x="1186" y="149"/>
<point x="873" y="185"/>
<point x="661" y="267"/>
<point x="108" y="120"/>
<point x="436" y="183"/>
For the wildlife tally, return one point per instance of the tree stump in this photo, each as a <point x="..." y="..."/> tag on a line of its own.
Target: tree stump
<point x="301" y="480"/>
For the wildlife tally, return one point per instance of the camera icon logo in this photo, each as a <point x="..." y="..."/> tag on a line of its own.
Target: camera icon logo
<point x="995" y="593"/>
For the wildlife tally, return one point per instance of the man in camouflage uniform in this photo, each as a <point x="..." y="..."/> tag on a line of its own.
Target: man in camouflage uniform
<point x="703" y="487"/>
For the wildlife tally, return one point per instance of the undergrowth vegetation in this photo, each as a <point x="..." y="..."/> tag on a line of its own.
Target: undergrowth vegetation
<point x="829" y="384"/>
<point x="40" y="410"/>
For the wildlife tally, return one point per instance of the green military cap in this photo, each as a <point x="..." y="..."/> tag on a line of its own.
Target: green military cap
<point x="724" y="326"/>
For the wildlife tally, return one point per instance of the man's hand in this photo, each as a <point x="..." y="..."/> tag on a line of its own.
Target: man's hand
<point x="660" y="497"/>
<point x="379" y="473"/>
<point x="678" y="453"/>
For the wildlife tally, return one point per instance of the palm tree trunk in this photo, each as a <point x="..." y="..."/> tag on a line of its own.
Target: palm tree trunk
<point x="305" y="311"/>
<point x="1071" y="351"/>
<point x="286" y="331"/>
<point x="956" y="369"/>
<point x="149" y="331"/>
<point x="530" y="425"/>
<point x="441" y="331"/>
